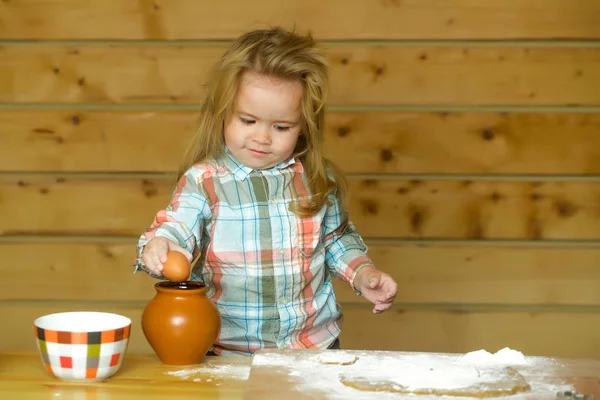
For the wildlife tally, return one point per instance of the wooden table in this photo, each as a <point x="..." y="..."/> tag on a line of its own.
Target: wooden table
<point x="303" y="375"/>
<point x="23" y="376"/>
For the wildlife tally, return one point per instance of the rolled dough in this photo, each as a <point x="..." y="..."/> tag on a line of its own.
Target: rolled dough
<point x="485" y="382"/>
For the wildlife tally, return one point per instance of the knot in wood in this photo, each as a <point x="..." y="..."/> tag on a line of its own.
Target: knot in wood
<point x="488" y="134"/>
<point x="343" y="131"/>
<point x="386" y="154"/>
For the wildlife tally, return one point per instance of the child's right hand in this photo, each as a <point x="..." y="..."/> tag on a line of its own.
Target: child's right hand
<point x="155" y="253"/>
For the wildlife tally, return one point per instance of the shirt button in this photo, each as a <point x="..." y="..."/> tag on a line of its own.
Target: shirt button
<point x="284" y="301"/>
<point x="285" y="346"/>
<point x="275" y="201"/>
<point x="281" y="252"/>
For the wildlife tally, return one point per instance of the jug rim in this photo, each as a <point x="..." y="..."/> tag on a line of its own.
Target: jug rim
<point x="180" y="286"/>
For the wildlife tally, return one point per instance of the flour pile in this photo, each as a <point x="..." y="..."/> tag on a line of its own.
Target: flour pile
<point x="504" y="357"/>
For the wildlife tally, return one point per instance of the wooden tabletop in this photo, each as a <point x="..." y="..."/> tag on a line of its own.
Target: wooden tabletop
<point x="23" y="376"/>
<point x="303" y="375"/>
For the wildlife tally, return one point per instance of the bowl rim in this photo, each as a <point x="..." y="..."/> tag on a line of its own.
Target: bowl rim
<point x="124" y="321"/>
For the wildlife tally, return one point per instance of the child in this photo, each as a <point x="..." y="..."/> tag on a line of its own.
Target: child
<point x="262" y="208"/>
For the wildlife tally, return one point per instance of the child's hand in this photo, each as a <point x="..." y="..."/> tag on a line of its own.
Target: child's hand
<point x="155" y="253"/>
<point x="377" y="287"/>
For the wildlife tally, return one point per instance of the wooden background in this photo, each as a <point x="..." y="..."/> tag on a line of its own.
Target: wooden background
<point x="470" y="133"/>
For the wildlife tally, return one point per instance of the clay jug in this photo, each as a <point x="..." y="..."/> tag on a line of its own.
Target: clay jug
<point x="180" y="322"/>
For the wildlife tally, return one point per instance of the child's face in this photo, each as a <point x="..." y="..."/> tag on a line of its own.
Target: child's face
<point x="267" y="120"/>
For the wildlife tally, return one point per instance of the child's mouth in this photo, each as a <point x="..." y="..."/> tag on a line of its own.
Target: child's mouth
<point x="258" y="152"/>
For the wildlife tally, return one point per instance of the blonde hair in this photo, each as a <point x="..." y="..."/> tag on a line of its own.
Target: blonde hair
<point x="285" y="55"/>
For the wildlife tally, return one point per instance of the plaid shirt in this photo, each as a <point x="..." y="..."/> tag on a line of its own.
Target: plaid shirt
<point x="268" y="271"/>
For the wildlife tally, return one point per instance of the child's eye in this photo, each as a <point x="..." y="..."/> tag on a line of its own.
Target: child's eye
<point x="246" y="121"/>
<point x="282" y="128"/>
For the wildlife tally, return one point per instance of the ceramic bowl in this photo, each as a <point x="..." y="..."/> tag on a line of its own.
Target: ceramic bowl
<point x="82" y="345"/>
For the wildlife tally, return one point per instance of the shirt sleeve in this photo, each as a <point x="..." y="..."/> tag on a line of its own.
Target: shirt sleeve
<point x="345" y="251"/>
<point x="182" y="221"/>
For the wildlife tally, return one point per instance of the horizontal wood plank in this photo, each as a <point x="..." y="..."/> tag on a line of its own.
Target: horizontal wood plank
<point x="333" y="19"/>
<point x="360" y="75"/>
<point x="476" y="209"/>
<point x="432" y="331"/>
<point x="426" y="274"/>
<point x="451" y="332"/>
<point x="440" y="274"/>
<point x="358" y="142"/>
<point x="74" y="271"/>
<point x="387" y="208"/>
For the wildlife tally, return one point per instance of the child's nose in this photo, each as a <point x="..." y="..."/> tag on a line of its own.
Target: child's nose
<point x="262" y="135"/>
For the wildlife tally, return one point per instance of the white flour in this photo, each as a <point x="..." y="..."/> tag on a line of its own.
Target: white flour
<point x="413" y="371"/>
<point x="336" y="357"/>
<point x="506" y="356"/>
<point x="208" y="372"/>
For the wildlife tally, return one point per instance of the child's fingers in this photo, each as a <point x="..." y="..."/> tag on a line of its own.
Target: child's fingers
<point x="386" y="297"/>
<point x="146" y="257"/>
<point x="381" y="307"/>
<point x="157" y="262"/>
<point x="153" y="263"/>
<point x="155" y="254"/>
<point x="388" y="293"/>
<point x="160" y="249"/>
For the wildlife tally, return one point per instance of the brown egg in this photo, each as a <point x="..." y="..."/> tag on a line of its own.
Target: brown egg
<point x="177" y="268"/>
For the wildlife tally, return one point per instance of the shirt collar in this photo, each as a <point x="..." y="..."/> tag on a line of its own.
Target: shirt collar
<point x="241" y="171"/>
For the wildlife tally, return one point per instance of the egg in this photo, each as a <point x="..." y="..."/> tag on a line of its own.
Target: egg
<point x="177" y="268"/>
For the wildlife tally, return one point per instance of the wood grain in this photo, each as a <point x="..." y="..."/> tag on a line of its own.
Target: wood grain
<point x="140" y="377"/>
<point x="473" y="274"/>
<point x="501" y="287"/>
<point x="359" y="142"/>
<point x="74" y="271"/>
<point x="417" y="330"/>
<point x="461" y="332"/>
<point x="476" y="209"/>
<point x="426" y="274"/>
<point x="387" y="208"/>
<point x="380" y="75"/>
<point x="334" y="19"/>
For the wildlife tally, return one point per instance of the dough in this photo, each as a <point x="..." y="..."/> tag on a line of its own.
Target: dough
<point x="484" y="383"/>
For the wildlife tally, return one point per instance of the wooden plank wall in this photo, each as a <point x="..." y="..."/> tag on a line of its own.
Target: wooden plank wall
<point x="470" y="134"/>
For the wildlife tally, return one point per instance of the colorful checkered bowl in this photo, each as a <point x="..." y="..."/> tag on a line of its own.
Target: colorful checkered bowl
<point x="83" y="345"/>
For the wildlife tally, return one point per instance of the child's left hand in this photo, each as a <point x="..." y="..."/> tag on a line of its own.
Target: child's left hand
<point x="377" y="287"/>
